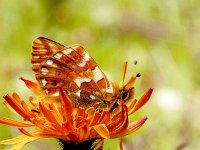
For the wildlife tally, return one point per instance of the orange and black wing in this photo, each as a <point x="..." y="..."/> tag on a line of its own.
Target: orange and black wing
<point x="69" y="67"/>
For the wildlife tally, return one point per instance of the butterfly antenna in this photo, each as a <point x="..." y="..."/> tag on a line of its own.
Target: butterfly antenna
<point x="130" y="84"/>
<point x="121" y="84"/>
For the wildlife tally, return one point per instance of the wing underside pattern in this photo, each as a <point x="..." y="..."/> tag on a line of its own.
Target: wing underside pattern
<point x="71" y="68"/>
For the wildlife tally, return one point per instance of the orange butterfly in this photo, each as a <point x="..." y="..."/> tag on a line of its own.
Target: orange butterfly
<point x="71" y="68"/>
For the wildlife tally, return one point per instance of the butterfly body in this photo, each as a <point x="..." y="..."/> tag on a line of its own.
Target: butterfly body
<point x="76" y="72"/>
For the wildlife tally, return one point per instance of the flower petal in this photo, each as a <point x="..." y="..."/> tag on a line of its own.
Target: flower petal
<point x="22" y="130"/>
<point x="33" y="86"/>
<point x="14" y="102"/>
<point x="143" y="100"/>
<point x="131" y="106"/>
<point x="102" y="130"/>
<point x="83" y="133"/>
<point x="105" y="117"/>
<point x="49" y="115"/>
<point x="20" y="145"/>
<point x="14" y="140"/>
<point x="95" y="119"/>
<point x="13" y="122"/>
<point x="121" y="122"/>
<point x="131" y="127"/>
<point x="68" y="106"/>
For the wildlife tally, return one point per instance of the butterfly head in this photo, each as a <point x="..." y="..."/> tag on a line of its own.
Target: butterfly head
<point x="126" y="91"/>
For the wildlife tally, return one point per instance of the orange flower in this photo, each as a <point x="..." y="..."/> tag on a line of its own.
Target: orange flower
<point x="58" y="118"/>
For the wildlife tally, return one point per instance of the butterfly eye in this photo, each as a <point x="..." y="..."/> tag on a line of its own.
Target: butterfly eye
<point x="123" y="94"/>
<point x="126" y="95"/>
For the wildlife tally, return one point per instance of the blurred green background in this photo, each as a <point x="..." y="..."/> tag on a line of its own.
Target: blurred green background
<point x="164" y="36"/>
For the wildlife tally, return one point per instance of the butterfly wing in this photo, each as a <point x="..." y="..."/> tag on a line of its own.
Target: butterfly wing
<point x="71" y="68"/>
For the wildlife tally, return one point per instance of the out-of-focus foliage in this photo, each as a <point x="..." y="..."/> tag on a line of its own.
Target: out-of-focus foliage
<point x="162" y="35"/>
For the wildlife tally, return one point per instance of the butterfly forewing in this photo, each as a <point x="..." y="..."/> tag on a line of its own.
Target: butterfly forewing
<point x="71" y="68"/>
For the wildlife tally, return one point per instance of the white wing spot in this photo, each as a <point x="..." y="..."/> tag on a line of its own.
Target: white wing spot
<point x="92" y="97"/>
<point x="58" y="56"/>
<point x="49" y="62"/>
<point x="78" y="93"/>
<point x="86" y="56"/>
<point x="44" y="71"/>
<point x="44" y="82"/>
<point x="80" y="80"/>
<point x="46" y="91"/>
<point x="82" y="63"/>
<point x="97" y="74"/>
<point x="67" y="51"/>
<point x="56" y="94"/>
<point x="109" y="89"/>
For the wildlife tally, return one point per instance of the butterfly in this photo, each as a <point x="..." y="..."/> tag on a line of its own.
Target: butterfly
<point x="71" y="68"/>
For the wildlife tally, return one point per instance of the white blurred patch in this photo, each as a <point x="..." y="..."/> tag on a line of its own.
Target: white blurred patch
<point x="67" y="51"/>
<point x="80" y="80"/>
<point x="97" y="74"/>
<point x="56" y="94"/>
<point x="105" y="14"/>
<point x="49" y="62"/>
<point x="58" y="55"/>
<point x="168" y="99"/>
<point x="78" y="93"/>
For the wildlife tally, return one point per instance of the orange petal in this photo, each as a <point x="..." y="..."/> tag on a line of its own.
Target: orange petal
<point x="27" y="109"/>
<point x="67" y="103"/>
<point x="16" y="106"/>
<point x="80" y="121"/>
<point x="49" y="116"/>
<point x="131" y="106"/>
<point x="102" y="130"/>
<point x="118" y="118"/>
<point x="13" y="123"/>
<point x="56" y="113"/>
<point x="33" y="86"/>
<point x="81" y="117"/>
<point x="14" y="140"/>
<point x="44" y="134"/>
<point x="117" y="128"/>
<point x="7" y="105"/>
<point x="143" y="100"/>
<point x="33" y="102"/>
<point x="105" y="117"/>
<point x="95" y="119"/>
<point x="90" y="113"/>
<point x="131" y="127"/>
<point x="83" y="133"/>
<point x="81" y="112"/>
<point x="22" y="130"/>
<point x="41" y="134"/>
<point x="20" y="145"/>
